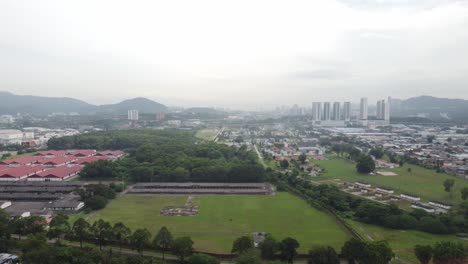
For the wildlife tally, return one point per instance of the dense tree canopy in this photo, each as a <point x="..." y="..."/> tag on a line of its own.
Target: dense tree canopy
<point x="165" y="156"/>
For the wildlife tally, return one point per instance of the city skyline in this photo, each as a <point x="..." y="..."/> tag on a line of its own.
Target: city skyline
<point x="174" y="55"/>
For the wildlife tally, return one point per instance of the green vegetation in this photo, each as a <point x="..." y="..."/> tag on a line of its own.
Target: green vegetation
<point x="401" y="241"/>
<point x="165" y="156"/>
<point x="222" y="219"/>
<point x="424" y="182"/>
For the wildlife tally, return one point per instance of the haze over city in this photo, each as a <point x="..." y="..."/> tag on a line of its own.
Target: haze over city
<point x="239" y="54"/>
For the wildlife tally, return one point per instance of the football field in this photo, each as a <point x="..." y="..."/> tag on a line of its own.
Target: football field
<point x="221" y="219"/>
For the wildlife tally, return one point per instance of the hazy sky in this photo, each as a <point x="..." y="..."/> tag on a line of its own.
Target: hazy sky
<point x="240" y="54"/>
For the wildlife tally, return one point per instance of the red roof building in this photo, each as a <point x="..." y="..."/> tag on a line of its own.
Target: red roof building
<point x="82" y="153"/>
<point x="20" y="172"/>
<point x="25" y="160"/>
<point x="56" y="174"/>
<point x="57" y="161"/>
<point x="56" y="153"/>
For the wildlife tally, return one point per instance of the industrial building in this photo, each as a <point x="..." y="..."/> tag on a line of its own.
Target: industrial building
<point x="203" y="188"/>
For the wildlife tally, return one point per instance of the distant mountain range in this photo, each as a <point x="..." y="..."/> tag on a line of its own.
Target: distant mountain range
<point x="430" y="107"/>
<point x="12" y="104"/>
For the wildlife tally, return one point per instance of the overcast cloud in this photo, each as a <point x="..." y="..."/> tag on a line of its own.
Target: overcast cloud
<point x="239" y="54"/>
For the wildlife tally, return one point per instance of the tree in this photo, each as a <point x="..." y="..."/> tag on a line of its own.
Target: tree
<point x="28" y="225"/>
<point x="81" y="230"/>
<point x="58" y="226"/>
<point x="365" y="164"/>
<point x="5" y="230"/>
<point x="102" y="231"/>
<point x="120" y="233"/>
<point x="430" y="138"/>
<point x="377" y="252"/>
<point x="242" y="244"/>
<point x="353" y="250"/>
<point x="284" y="164"/>
<point x="251" y="256"/>
<point x="448" y="184"/>
<point x="181" y="174"/>
<point x="140" y="239"/>
<point x="182" y="247"/>
<point x="268" y="247"/>
<point x="288" y="249"/>
<point x="302" y="158"/>
<point x="464" y="193"/>
<point x="202" y="259"/>
<point x="377" y="153"/>
<point x="96" y="202"/>
<point x="423" y="253"/>
<point x="448" y="252"/>
<point x="99" y="169"/>
<point x="409" y="170"/>
<point x="163" y="240"/>
<point x="323" y="255"/>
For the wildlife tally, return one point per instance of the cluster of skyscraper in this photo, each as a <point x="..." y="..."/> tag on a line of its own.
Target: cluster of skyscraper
<point x="382" y="111"/>
<point x="327" y="111"/>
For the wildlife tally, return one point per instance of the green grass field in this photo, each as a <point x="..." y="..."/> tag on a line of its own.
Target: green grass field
<point x="426" y="183"/>
<point x="207" y="134"/>
<point x="222" y="219"/>
<point x="401" y="241"/>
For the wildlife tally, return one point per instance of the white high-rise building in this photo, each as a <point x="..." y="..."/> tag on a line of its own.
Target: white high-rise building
<point x="326" y="111"/>
<point x="319" y="111"/>
<point x="383" y="110"/>
<point x="133" y="115"/>
<point x="379" y="113"/>
<point x="316" y="111"/>
<point x="386" y="110"/>
<point x="347" y="110"/>
<point x="336" y="111"/>
<point x="363" y="109"/>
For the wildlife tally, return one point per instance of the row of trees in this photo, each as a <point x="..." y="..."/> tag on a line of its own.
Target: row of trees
<point x="441" y="253"/>
<point x="103" y="232"/>
<point x="354" y="250"/>
<point x="270" y="249"/>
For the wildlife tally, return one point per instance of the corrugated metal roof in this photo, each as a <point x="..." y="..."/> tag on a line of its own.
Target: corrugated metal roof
<point x="82" y="152"/>
<point x="58" y="160"/>
<point x="59" y="172"/>
<point x="22" y="160"/>
<point x="21" y="171"/>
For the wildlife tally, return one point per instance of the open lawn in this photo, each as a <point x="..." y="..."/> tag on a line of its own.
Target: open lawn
<point x="222" y="219"/>
<point x="207" y="133"/>
<point x="426" y="183"/>
<point x="401" y="241"/>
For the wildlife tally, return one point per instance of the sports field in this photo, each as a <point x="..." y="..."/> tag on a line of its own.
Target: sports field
<point x="426" y="183"/>
<point x="222" y="219"/>
<point x="401" y="241"/>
